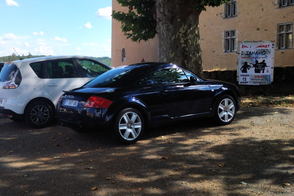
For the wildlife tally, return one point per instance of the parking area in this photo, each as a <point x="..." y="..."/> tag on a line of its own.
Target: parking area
<point x="252" y="156"/>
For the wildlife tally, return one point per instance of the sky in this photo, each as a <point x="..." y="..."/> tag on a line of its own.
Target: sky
<point x="55" y="27"/>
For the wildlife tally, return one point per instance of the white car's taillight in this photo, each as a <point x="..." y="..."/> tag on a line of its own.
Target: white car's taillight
<point x="10" y="85"/>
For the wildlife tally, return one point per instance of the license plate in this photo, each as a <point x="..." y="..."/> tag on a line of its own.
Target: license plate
<point x="71" y="103"/>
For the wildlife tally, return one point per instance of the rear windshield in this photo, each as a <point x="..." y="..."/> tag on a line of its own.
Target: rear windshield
<point x="8" y="71"/>
<point x="109" y="78"/>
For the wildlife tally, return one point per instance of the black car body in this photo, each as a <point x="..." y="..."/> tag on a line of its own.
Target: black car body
<point x="129" y="98"/>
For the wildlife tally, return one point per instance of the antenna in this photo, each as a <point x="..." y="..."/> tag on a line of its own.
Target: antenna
<point x="17" y="55"/>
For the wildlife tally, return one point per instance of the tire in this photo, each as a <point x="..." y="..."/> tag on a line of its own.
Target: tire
<point x="39" y="114"/>
<point x="129" y="126"/>
<point x="225" y="110"/>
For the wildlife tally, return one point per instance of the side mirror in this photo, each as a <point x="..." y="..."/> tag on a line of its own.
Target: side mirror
<point x="192" y="80"/>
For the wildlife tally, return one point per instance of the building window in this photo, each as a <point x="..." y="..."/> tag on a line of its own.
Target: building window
<point x="230" y="9"/>
<point x="230" y="41"/>
<point x="123" y="55"/>
<point x="283" y="3"/>
<point x="285" y="36"/>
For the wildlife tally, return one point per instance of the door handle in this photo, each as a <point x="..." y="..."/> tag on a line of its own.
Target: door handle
<point x="164" y="91"/>
<point x="52" y="85"/>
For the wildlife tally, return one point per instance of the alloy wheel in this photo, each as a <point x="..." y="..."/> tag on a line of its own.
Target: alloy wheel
<point x="226" y="110"/>
<point x="130" y="126"/>
<point x="39" y="114"/>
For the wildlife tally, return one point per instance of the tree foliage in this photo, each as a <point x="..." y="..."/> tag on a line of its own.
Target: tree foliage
<point x="105" y="60"/>
<point x="139" y="23"/>
<point x="14" y="57"/>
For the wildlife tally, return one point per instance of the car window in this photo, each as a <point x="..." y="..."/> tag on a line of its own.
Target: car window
<point x="61" y="69"/>
<point x="37" y="68"/>
<point x="109" y="78"/>
<point x="189" y="75"/>
<point x="92" y="68"/>
<point x="69" y="71"/>
<point x="164" y="76"/>
<point x="8" y="72"/>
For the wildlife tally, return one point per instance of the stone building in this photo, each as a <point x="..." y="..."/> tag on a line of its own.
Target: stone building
<point x="221" y="30"/>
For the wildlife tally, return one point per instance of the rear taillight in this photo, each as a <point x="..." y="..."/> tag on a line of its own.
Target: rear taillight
<point x="10" y="85"/>
<point x="97" y="102"/>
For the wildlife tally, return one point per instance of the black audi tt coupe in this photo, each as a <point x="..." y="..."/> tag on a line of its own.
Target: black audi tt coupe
<point x="127" y="99"/>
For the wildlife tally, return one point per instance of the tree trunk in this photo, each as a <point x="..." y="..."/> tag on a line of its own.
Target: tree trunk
<point x="178" y="33"/>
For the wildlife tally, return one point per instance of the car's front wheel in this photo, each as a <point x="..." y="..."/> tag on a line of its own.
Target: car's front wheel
<point x="225" y="110"/>
<point x="39" y="114"/>
<point x="129" y="126"/>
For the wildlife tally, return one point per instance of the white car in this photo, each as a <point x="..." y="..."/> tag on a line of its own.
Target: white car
<point x="30" y="88"/>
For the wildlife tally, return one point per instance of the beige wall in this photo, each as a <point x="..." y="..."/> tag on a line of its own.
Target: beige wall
<point x="256" y="21"/>
<point x="135" y="51"/>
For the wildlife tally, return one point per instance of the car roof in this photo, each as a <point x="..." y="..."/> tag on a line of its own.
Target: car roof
<point x="148" y="66"/>
<point x="36" y="59"/>
<point x="134" y="72"/>
<point x="140" y="69"/>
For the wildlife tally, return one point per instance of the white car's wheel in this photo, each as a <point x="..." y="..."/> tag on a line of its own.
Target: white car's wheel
<point x="39" y="114"/>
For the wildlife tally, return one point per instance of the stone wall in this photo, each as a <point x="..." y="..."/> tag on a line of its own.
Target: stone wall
<point x="283" y="83"/>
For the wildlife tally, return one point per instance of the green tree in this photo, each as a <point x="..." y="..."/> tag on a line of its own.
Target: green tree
<point x="30" y="56"/>
<point x="105" y="60"/>
<point x="14" y="57"/>
<point x="175" y="21"/>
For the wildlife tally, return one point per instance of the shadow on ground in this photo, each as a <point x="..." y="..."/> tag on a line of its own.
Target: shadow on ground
<point x="190" y="158"/>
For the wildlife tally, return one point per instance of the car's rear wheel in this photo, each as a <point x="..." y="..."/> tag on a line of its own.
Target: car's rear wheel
<point x="39" y="114"/>
<point x="129" y="126"/>
<point x="225" y="110"/>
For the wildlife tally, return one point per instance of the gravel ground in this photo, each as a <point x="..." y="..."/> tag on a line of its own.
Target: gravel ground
<point x="252" y="156"/>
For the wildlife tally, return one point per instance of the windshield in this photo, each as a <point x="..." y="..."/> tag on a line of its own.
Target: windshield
<point x="109" y="78"/>
<point x="8" y="72"/>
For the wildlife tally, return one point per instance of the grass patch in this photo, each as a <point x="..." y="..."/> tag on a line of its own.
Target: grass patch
<point x="268" y="101"/>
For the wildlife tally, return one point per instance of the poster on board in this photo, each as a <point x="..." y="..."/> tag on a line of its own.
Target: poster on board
<point x="255" y="64"/>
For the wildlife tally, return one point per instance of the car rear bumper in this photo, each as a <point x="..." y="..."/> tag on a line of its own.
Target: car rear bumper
<point x="83" y="126"/>
<point x="11" y="114"/>
<point x="81" y="119"/>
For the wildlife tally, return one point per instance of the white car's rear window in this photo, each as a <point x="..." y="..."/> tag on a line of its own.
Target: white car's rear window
<point x="8" y="72"/>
